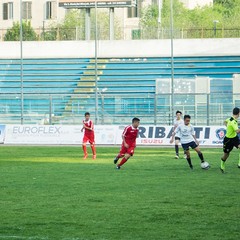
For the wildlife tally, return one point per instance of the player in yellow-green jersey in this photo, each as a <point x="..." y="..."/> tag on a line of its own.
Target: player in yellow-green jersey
<point x="231" y="138"/>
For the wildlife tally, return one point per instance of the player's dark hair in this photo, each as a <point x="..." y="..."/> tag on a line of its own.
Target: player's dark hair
<point x="178" y="112"/>
<point x="186" y="116"/>
<point x="135" y="120"/>
<point x="236" y="111"/>
<point x="87" y="114"/>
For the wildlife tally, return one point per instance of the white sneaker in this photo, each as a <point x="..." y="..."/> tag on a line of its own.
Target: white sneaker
<point x="176" y="157"/>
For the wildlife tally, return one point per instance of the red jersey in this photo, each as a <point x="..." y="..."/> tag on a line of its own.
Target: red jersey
<point x="130" y="133"/>
<point x="88" y="124"/>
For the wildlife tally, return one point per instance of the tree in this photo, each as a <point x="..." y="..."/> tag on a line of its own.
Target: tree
<point x="104" y="26"/>
<point x="73" y="26"/>
<point x="13" y="34"/>
<point x="180" y="14"/>
<point x="230" y="6"/>
<point x="230" y="11"/>
<point x="227" y="14"/>
<point x="226" y="3"/>
<point x="149" y="19"/>
<point x="205" y="17"/>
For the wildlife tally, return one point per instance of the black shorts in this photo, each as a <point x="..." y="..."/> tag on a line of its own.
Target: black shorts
<point x="177" y="138"/>
<point x="186" y="146"/>
<point x="230" y="143"/>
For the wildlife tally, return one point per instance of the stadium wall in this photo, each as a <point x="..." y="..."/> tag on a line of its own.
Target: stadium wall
<point x="121" y="49"/>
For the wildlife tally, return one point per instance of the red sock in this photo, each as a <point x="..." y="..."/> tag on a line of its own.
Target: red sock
<point x="84" y="147"/>
<point x="122" y="162"/>
<point x="93" y="149"/>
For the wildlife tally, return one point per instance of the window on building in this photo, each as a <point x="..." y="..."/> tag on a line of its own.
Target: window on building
<point x="7" y="10"/>
<point x="27" y="10"/>
<point x="51" y="10"/>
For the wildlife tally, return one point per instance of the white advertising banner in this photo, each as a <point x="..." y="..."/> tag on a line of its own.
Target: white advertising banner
<point x="160" y="135"/>
<point x="104" y="135"/>
<point x="43" y="134"/>
<point x="56" y="134"/>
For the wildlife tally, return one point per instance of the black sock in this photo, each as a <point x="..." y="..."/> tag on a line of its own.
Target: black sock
<point x="189" y="162"/>
<point x="201" y="157"/>
<point x="176" y="150"/>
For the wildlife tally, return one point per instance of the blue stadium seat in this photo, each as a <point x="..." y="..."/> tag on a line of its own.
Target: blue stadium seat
<point x="69" y="84"/>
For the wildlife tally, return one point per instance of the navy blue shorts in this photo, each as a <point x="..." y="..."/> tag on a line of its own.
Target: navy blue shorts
<point x="186" y="146"/>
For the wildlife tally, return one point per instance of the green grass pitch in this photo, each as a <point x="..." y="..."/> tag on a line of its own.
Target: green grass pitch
<point x="52" y="193"/>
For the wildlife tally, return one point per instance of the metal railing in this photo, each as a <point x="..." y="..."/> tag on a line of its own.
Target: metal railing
<point x="130" y="33"/>
<point x="205" y="109"/>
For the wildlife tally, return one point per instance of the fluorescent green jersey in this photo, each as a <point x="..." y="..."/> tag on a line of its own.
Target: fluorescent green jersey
<point x="232" y="126"/>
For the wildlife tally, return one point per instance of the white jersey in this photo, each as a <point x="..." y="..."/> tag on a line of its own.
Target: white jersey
<point x="178" y="122"/>
<point x="185" y="132"/>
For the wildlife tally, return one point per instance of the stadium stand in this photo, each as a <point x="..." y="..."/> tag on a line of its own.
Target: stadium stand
<point x="65" y="89"/>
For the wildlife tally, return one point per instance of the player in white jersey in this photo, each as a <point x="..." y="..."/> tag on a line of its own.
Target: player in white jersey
<point x="178" y="121"/>
<point x="188" y="139"/>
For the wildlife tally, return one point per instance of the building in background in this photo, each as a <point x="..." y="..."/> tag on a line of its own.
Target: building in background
<point x="39" y="12"/>
<point x="42" y="13"/>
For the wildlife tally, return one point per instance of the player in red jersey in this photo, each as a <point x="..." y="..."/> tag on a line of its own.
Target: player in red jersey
<point x="129" y="136"/>
<point x="88" y="136"/>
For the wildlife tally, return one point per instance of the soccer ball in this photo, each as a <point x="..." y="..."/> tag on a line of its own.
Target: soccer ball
<point x="205" y="165"/>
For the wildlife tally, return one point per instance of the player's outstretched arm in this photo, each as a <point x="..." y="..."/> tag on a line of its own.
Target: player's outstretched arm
<point x="174" y="133"/>
<point x="83" y="126"/>
<point x="172" y="138"/>
<point x="195" y="139"/>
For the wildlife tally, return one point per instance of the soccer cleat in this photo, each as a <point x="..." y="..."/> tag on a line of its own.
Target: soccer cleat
<point x="115" y="160"/>
<point x="222" y="170"/>
<point x="238" y="165"/>
<point x="222" y="167"/>
<point x="118" y="167"/>
<point x="94" y="157"/>
<point x="85" y="156"/>
<point x="176" y="157"/>
<point x="191" y="167"/>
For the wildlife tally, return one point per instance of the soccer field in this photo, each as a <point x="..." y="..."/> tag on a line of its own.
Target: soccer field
<point x="52" y="193"/>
